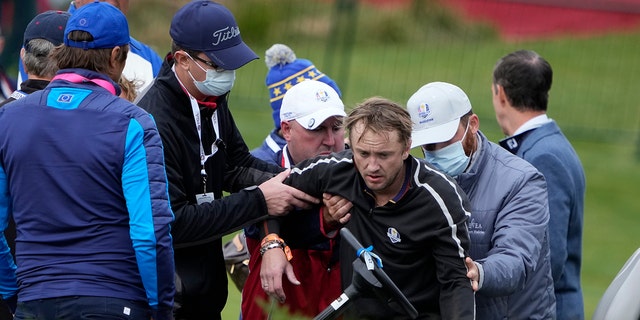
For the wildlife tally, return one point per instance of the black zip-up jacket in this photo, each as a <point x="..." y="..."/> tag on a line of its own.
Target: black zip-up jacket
<point x="421" y="236"/>
<point x="198" y="228"/>
<point x="29" y="86"/>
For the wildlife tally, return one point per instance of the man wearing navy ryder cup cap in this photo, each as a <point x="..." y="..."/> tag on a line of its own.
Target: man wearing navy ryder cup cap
<point x="82" y="175"/>
<point x="206" y="154"/>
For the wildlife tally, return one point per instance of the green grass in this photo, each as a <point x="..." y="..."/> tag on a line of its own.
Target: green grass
<point x="595" y="96"/>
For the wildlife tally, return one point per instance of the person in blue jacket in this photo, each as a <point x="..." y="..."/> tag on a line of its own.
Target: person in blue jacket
<point x="82" y="175"/>
<point x="143" y="63"/>
<point x="520" y="90"/>
<point x="510" y="269"/>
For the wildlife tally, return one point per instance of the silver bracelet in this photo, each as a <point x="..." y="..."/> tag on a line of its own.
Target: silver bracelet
<point x="271" y="245"/>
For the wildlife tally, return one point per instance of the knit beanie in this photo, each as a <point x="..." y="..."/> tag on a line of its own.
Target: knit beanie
<point x="285" y="71"/>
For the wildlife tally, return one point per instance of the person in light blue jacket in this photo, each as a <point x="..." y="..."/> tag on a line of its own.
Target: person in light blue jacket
<point x="521" y="84"/>
<point x="509" y="255"/>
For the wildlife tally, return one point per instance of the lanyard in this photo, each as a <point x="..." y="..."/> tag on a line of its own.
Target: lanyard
<point x="195" y="109"/>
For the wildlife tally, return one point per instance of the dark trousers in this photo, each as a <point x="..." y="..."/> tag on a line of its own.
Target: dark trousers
<point x="5" y="313"/>
<point x="82" y="308"/>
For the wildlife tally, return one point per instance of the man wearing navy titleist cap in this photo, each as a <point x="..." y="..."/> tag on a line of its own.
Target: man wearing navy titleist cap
<point x="206" y="154"/>
<point x="97" y="241"/>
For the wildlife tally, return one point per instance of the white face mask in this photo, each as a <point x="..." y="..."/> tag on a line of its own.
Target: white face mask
<point x="216" y="83"/>
<point x="451" y="159"/>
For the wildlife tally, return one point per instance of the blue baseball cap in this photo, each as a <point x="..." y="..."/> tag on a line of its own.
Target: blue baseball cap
<point x="209" y="27"/>
<point x="103" y="21"/>
<point x="48" y="25"/>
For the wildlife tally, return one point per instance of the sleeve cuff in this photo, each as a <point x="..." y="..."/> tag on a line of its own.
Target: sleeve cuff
<point x="480" y="275"/>
<point x="330" y="234"/>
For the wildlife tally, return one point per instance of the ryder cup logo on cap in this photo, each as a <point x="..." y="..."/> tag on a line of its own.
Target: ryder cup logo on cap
<point x="209" y="27"/>
<point x="435" y="111"/>
<point x="424" y="111"/>
<point x="310" y="103"/>
<point x="106" y="24"/>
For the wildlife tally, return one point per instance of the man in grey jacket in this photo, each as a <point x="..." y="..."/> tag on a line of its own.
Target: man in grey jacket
<point x="508" y="228"/>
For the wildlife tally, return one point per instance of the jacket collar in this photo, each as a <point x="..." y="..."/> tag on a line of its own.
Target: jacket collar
<point x="84" y="76"/>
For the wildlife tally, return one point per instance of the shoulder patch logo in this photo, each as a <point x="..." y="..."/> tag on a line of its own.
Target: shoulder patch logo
<point x="393" y="235"/>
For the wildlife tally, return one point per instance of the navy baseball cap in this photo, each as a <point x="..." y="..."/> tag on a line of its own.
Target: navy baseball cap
<point x="48" y="25"/>
<point x="103" y="21"/>
<point x="209" y="27"/>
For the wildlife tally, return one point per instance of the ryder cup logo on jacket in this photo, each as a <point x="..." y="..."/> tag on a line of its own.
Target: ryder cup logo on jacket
<point x="393" y="235"/>
<point x="225" y="34"/>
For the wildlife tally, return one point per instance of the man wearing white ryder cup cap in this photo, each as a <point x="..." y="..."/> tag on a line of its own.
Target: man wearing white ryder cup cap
<point x="316" y="108"/>
<point x="205" y="154"/>
<point x="508" y="228"/>
<point x="311" y="118"/>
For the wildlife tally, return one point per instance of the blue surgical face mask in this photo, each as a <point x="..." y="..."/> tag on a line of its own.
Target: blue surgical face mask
<point x="216" y="83"/>
<point x="451" y="159"/>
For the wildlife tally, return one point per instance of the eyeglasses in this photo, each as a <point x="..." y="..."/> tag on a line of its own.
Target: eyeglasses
<point x="208" y="63"/>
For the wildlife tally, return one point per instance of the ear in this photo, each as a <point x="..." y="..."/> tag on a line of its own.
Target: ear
<point x="474" y="124"/>
<point x="181" y="60"/>
<point x="113" y="59"/>
<point x="286" y="129"/>
<point x="115" y="65"/>
<point x="22" y="53"/>
<point x="407" y="150"/>
<point x="498" y="92"/>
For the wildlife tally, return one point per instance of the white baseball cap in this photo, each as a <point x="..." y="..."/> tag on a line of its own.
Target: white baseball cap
<point x="435" y="111"/>
<point x="311" y="102"/>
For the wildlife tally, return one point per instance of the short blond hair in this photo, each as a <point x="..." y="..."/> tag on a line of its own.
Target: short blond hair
<point x="380" y="115"/>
